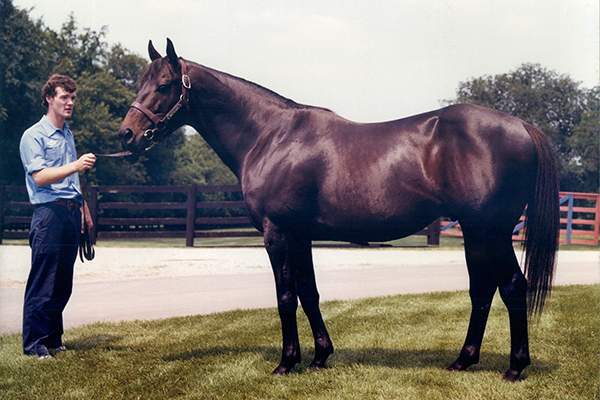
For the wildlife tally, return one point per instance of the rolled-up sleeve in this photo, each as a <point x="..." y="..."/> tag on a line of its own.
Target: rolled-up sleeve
<point x="32" y="153"/>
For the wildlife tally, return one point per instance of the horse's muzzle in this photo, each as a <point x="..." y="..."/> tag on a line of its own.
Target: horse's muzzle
<point x="128" y="140"/>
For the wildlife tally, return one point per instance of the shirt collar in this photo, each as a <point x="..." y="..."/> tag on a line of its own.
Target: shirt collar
<point x="50" y="129"/>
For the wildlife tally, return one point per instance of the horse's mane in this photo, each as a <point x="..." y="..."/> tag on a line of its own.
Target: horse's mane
<point x="287" y="103"/>
<point x="155" y="68"/>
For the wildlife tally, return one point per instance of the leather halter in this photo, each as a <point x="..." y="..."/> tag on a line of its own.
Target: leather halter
<point x="155" y="134"/>
<point x="86" y="248"/>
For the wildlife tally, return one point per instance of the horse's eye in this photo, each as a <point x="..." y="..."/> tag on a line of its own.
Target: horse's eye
<point x="163" y="89"/>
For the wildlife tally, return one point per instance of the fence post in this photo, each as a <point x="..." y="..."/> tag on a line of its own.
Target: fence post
<point x="570" y="198"/>
<point x="1" y="213"/>
<point x="597" y="220"/>
<point x="190" y="222"/>
<point x="570" y="217"/>
<point x="433" y="232"/>
<point x="93" y="206"/>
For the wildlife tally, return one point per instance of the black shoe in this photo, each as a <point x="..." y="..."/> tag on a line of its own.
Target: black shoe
<point x="40" y="352"/>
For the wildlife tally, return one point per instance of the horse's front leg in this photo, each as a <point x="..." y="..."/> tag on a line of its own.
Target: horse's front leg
<point x="284" y="263"/>
<point x="309" y="298"/>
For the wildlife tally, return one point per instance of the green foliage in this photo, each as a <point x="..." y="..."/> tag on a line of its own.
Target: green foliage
<point x="73" y="53"/>
<point x="393" y="347"/>
<point x="584" y="144"/>
<point x="106" y="87"/>
<point x="197" y="164"/>
<point x="23" y="71"/>
<point x="126" y="67"/>
<point x="101" y="100"/>
<point x="554" y="103"/>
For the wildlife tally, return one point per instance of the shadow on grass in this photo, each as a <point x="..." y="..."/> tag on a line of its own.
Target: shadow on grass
<point x="94" y="342"/>
<point x="377" y="357"/>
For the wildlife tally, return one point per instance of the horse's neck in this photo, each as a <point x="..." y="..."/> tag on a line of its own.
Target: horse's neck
<point x="232" y="121"/>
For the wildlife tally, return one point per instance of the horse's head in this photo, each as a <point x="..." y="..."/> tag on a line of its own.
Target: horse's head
<point x="157" y="109"/>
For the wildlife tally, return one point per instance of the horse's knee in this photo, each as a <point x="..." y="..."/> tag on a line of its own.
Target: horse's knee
<point x="287" y="304"/>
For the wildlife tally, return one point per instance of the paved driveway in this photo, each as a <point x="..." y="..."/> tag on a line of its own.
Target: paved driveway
<point x="150" y="283"/>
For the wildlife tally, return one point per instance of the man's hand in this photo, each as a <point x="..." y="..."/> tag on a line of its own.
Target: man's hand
<point x="48" y="176"/>
<point x="86" y="161"/>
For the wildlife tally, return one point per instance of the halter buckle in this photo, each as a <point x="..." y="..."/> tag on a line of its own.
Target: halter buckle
<point x="149" y="134"/>
<point x="186" y="82"/>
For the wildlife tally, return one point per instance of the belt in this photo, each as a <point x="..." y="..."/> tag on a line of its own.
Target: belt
<point x="68" y="204"/>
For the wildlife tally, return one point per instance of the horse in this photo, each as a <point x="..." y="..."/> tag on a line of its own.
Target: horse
<point x="309" y="174"/>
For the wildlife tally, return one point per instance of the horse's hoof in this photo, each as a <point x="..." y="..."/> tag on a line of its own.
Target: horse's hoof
<point x="317" y="365"/>
<point x="283" y="369"/>
<point x="280" y="370"/>
<point x="456" y="366"/>
<point x="320" y="359"/>
<point x="511" y="375"/>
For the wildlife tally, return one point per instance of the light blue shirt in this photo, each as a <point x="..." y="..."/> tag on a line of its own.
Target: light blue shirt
<point x="45" y="146"/>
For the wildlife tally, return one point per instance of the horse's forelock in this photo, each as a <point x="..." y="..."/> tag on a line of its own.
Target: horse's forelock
<point x="153" y="71"/>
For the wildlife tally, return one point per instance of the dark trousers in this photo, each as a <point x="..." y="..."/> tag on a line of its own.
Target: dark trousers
<point x="53" y="238"/>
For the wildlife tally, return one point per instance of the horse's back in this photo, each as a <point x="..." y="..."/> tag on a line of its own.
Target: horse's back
<point x="336" y="177"/>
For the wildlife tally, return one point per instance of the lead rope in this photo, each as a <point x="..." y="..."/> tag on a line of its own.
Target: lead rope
<point x="86" y="247"/>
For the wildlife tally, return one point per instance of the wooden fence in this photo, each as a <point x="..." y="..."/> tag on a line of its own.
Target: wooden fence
<point x="189" y="212"/>
<point x="218" y="211"/>
<point x="579" y="219"/>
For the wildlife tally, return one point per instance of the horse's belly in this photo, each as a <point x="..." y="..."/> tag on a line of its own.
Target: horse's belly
<point x="373" y="227"/>
<point x="368" y="232"/>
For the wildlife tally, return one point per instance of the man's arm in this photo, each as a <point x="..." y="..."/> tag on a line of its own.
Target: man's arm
<point x="48" y="176"/>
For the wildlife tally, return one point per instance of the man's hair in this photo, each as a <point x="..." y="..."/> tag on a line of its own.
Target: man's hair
<point x="55" y="81"/>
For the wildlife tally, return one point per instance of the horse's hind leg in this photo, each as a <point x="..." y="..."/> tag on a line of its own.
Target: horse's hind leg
<point x="482" y="288"/>
<point x="513" y="291"/>
<point x="492" y="264"/>
<point x="309" y="298"/>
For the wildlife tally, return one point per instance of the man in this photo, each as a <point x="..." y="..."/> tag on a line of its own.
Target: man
<point x="51" y="167"/>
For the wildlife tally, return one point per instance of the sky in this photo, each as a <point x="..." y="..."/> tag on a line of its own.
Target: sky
<point x="367" y="60"/>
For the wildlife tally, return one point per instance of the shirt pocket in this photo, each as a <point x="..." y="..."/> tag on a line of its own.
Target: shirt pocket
<point x="55" y="153"/>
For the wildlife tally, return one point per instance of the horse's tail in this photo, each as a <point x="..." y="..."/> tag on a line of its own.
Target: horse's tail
<point x="543" y="224"/>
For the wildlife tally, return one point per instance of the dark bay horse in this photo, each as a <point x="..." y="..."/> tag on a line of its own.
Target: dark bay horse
<point x="308" y="174"/>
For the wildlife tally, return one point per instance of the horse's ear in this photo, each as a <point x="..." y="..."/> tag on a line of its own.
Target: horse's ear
<point x="171" y="55"/>
<point x="154" y="55"/>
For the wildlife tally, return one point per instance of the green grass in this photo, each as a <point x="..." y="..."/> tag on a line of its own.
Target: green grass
<point x="386" y="348"/>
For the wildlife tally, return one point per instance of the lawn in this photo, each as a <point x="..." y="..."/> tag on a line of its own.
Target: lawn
<point x="386" y="348"/>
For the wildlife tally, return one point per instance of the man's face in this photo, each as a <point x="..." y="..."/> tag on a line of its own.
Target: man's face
<point x="62" y="103"/>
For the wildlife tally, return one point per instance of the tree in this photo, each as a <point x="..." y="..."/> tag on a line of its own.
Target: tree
<point x="555" y="103"/>
<point x="106" y="88"/>
<point x="73" y="53"/>
<point x="585" y="147"/>
<point x="126" y="67"/>
<point x="196" y="163"/>
<point x="30" y="54"/>
<point x="101" y="102"/>
<point x="23" y="70"/>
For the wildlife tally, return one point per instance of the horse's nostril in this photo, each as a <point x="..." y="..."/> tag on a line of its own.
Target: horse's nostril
<point x="126" y="135"/>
